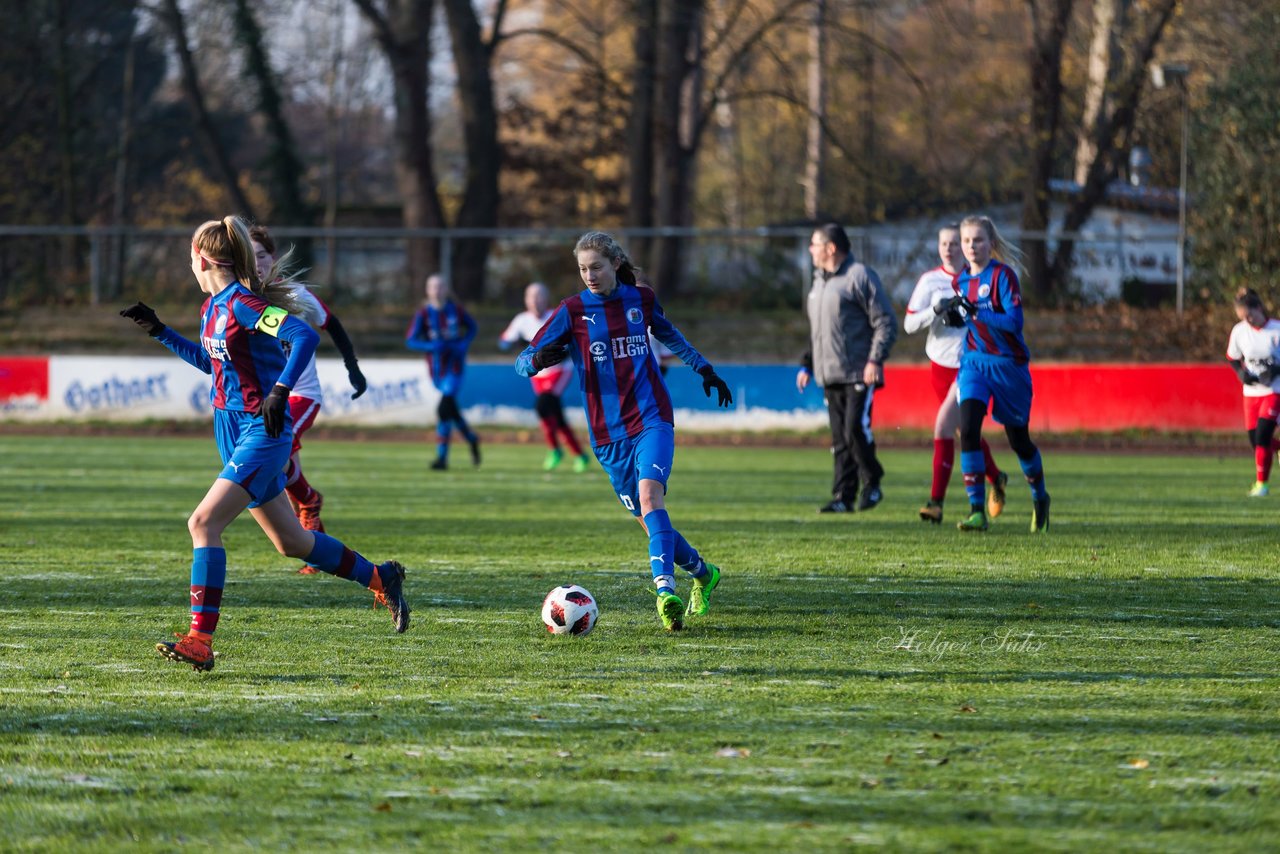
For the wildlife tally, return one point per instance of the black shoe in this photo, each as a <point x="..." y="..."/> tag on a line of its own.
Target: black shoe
<point x="440" y="464"/>
<point x="1040" y="515"/>
<point x="871" y="496"/>
<point x="392" y="595"/>
<point x="836" y="506"/>
<point x="475" y="453"/>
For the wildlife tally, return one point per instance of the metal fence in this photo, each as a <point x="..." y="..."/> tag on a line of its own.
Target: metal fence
<point x="759" y="267"/>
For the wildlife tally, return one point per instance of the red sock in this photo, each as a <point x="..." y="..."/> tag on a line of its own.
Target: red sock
<point x="1263" y="457"/>
<point x="944" y="459"/>
<point x="993" y="470"/>
<point x="300" y="491"/>
<point x="548" y="432"/>
<point x="570" y="439"/>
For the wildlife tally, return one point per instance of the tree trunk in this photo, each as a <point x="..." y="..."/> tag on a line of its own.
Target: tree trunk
<point x="480" y="199"/>
<point x="815" y="145"/>
<point x="1111" y="137"/>
<point x="1104" y="63"/>
<point x="1049" y="19"/>
<point x="677" y="120"/>
<point x="282" y="161"/>
<point x="640" y="125"/>
<point x="172" y="16"/>
<point x="66" y="135"/>
<point x="120" y="185"/>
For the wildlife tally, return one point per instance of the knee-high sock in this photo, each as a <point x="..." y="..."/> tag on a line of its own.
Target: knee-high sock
<point x="549" y="433"/>
<point x="208" y="577"/>
<point x="1262" y="456"/>
<point x="1034" y="471"/>
<point x="331" y="556"/>
<point x="687" y="557"/>
<point x="944" y="459"/>
<point x="971" y="463"/>
<point x="465" y="429"/>
<point x="662" y="549"/>
<point x="300" y="490"/>
<point x="993" y="470"/>
<point x="570" y="440"/>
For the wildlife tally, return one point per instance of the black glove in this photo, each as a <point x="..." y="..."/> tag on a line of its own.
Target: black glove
<point x="710" y="380"/>
<point x="356" y="378"/>
<point x="1243" y="373"/>
<point x="143" y="315"/>
<point x="1266" y="375"/>
<point x="273" y="410"/>
<point x="552" y="354"/>
<point x="953" y="318"/>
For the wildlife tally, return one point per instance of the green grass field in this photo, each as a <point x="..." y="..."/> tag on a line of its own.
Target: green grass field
<point x="862" y="680"/>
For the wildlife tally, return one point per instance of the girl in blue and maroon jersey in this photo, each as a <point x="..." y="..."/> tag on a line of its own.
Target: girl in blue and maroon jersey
<point x="605" y="331"/>
<point x="443" y="330"/>
<point x="993" y="367"/>
<point x="243" y="324"/>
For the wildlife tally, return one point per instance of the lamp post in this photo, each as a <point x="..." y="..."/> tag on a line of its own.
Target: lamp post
<point x="1175" y="74"/>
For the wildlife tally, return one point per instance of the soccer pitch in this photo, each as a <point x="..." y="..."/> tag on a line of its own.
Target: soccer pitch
<point x="861" y="680"/>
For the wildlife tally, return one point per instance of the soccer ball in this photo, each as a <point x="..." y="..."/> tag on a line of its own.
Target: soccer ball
<point x="569" y="610"/>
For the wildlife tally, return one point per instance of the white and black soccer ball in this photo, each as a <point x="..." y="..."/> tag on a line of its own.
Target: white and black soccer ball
<point x="569" y="610"/>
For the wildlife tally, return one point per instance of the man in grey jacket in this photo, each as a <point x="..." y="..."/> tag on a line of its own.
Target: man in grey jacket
<point x="851" y="328"/>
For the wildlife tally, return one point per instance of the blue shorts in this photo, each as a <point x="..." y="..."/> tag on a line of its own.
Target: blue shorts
<point x="449" y="383"/>
<point x="252" y="459"/>
<point x="647" y="455"/>
<point x="1000" y="382"/>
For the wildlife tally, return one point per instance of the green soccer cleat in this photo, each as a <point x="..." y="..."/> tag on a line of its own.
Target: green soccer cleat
<point x="1259" y="490"/>
<point x="670" y="610"/>
<point x="977" y="521"/>
<point x="700" y="595"/>
<point x="1040" y="515"/>
<point x="580" y="464"/>
<point x="554" y="456"/>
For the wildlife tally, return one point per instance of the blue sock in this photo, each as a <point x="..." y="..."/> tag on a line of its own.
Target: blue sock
<point x="1034" y="471"/>
<point x="331" y="556"/>
<point x="974" y="467"/>
<point x="687" y="557"/>
<point x="662" y="548"/>
<point x="208" y="577"/>
<point x="466" y="431"/>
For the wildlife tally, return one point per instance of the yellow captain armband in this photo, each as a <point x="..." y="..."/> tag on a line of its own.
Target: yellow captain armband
<point x="271" y="320"/>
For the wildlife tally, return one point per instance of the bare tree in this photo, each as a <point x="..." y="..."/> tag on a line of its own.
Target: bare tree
<point x="473" y="55"/>
<point x="815" y="144"/>
<point x="402" y="29"/>
<point x="172" y="17"/>
<point x="1104" y="62"/>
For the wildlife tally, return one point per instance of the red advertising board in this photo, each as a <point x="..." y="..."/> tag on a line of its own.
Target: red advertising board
<point x="24" y="377"/>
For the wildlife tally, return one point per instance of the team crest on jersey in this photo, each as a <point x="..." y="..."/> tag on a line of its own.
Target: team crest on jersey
<point x="984" y="291"/>
<point x="634" y="315"/>
<point x="220" y="325"/>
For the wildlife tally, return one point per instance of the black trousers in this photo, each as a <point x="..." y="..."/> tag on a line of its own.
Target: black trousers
<point x="853" y="448"/>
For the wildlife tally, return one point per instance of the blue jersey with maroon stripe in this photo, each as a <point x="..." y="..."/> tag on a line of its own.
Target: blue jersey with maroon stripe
<point x="608" y="339"/>
<point x="444" y="334"/>
<point x="995" y="331"/>
<point x="244" y="360"/>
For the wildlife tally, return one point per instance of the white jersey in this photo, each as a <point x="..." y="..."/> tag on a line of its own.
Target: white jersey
<point x="945" y="342"/>
<point x="523" y="327"/>
<point x="1257" y="348"/>
<point x="316" y="314"/>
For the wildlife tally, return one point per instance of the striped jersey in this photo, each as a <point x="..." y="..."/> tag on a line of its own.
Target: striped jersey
<point x="241" y="338"/>
<point x="443" y="334"/>
<point x="996" y="330"/>
<point x="550" y="380"/>
<point x="608" y="338"/>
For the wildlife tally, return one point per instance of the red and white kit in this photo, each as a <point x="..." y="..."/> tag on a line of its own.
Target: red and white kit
<point x="552" y="380"/>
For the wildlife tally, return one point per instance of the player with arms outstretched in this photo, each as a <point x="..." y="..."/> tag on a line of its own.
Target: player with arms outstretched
<point x="241" y="337"/>
<point x="945" y="339"/>
<point x="549" y="383"/>
<point x="604" y="329"/>
<point x="1254" y="353"/>
<point x="994" y="367"/>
